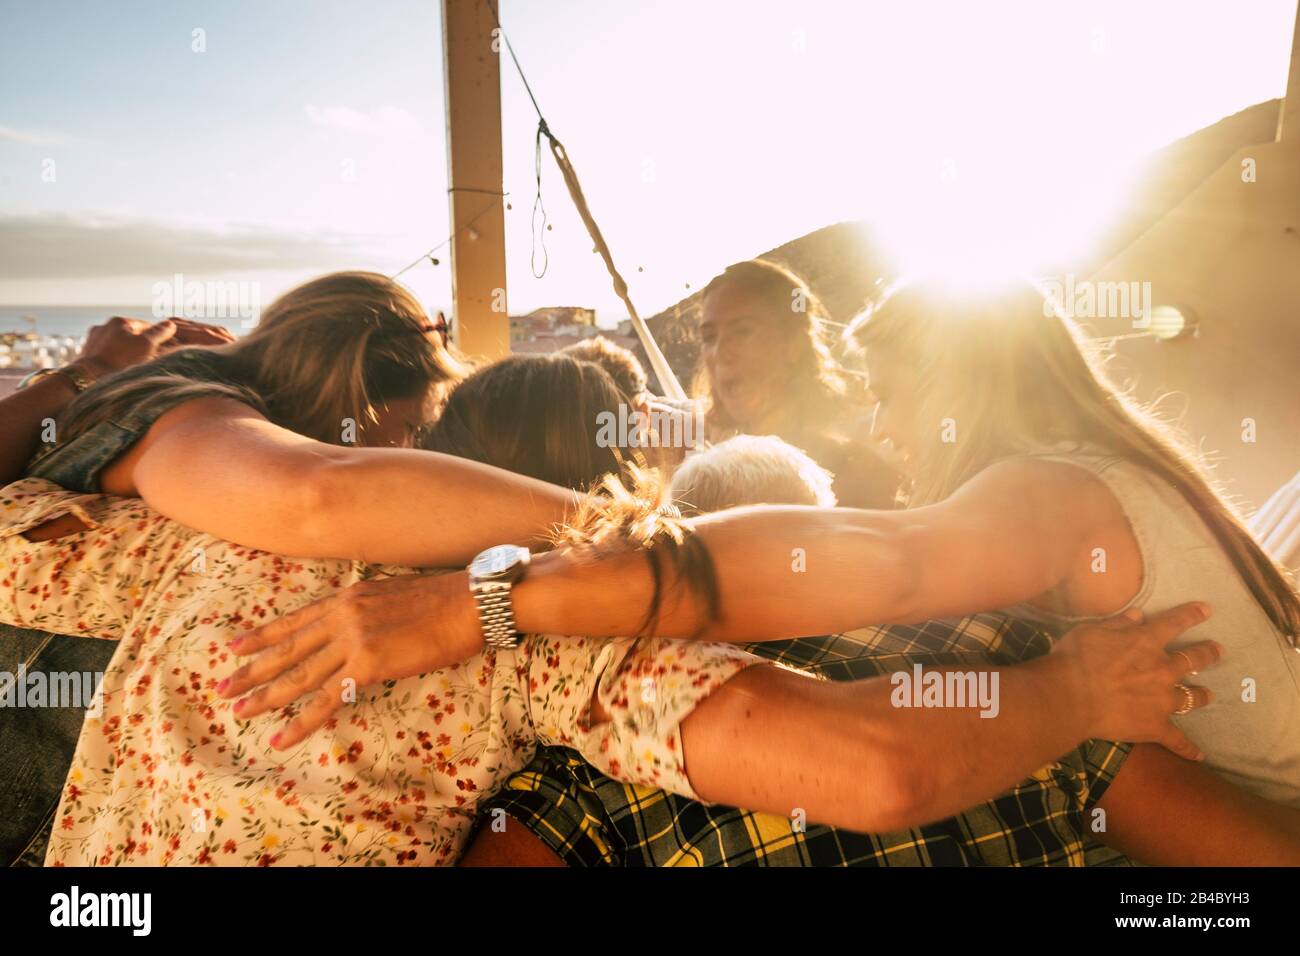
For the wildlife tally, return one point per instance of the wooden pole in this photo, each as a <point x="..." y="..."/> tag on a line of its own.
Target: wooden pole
<point x="478" y="247"/>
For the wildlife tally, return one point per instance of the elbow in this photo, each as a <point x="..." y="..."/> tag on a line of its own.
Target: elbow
<point x="318" y="487"/>
<point x="893" y="783"/>
<point x="902" y="795"/>
<point x="318" y="498"/>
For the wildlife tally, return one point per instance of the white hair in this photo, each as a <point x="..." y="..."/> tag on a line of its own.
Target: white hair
<point x="750" y="470"/>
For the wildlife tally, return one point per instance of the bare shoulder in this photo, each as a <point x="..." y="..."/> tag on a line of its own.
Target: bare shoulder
<point x="1053" y="489"/>
<point x="1061" y="515"/>
<point x="1050" y="502"/>
<point x="206" y="408"/>
<point x="188" y="418"/>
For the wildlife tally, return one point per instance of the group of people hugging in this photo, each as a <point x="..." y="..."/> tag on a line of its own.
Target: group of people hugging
<point x="267" y="547"/>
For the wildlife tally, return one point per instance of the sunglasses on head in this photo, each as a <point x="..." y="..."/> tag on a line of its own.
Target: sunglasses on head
<point x="440" y="326"/>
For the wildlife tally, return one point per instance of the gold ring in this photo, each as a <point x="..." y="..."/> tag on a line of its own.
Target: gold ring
<point x="1191" y="668"/>
<point x="1189" y="699"/>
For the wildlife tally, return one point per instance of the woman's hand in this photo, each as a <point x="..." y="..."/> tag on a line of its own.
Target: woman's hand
<point x="116" y="344"/>
<point x="1131" y="684"/>
<point x="371" y="632"/>
<point x="121" y="342"/>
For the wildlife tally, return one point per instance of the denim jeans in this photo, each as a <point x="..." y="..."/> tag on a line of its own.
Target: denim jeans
<point x="37" y="743"/>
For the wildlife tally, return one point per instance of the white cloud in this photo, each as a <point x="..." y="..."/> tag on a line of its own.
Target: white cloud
<point x="97" y="245"/>
<point x="36" y="137"/>
<point x="388" y="122"/>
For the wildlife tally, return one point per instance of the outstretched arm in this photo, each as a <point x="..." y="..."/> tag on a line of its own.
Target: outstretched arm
<point x="782" y="572"/>
<point x="846" y="754"/>
<point x="856" y="754"/>
<point x="1006" y="536"/>
<point x="217" y="465"/>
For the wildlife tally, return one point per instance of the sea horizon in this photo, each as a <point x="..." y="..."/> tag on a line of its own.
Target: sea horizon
<point x="69" y="320"/>
<point x="77" y="320"/>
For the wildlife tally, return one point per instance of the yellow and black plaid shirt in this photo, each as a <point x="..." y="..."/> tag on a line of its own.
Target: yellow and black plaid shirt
<point x="587" y="819"/>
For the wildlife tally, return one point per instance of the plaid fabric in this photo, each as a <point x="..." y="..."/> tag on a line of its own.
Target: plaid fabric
<point x="588" y="819"/>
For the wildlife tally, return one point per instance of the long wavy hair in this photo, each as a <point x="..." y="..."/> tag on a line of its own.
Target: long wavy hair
<point x="796" y="320"/>
<point x="1018" y="375"/>
<point x="335" y="348"/>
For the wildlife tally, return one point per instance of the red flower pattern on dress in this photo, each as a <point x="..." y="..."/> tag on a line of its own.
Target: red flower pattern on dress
<point x="168" y="776"/>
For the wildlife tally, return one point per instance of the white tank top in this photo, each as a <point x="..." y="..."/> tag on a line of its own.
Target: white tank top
<point x="1250" y="734"/>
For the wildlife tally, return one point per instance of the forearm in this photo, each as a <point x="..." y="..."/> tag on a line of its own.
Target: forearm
<point x="425" y="509"/>
<point x="23" y="416"/>
<point x="962" y="757"/>
<point x="781" y="573"/>
<point x="1216" y="824"/>
<point x="847" y="756"/>
<point x="789" y="572"/>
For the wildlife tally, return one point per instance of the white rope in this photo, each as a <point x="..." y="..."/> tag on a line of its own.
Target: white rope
<point x="668" y="382"/>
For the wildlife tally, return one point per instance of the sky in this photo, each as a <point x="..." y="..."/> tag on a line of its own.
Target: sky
<point x="289" y="138"/>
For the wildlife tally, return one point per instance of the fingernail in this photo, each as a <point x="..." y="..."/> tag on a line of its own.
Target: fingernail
<point x="1205" y="610"/>
<point x="239" y="705"/>
<point x="275" y="741"/>
<point x="234" y="645"/>
<point x="221" y="688"/>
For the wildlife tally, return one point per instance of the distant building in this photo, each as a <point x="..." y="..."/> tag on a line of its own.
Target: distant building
<point x="564" y="320"/>
<point x="31" y="350"/>
<point x="551" y="329"/>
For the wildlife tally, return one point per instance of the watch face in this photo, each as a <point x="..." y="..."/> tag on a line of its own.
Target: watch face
<point x="498" y="562"/>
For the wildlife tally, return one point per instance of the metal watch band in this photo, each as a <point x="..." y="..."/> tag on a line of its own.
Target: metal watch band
<point x="496" y="614"/>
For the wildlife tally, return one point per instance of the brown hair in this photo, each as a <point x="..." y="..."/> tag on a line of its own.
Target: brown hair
<point x="537" y="415"/>
<point x="540" y="415"/>
<point x="796" y="317"/>
<point x="335" y="348"/>
<point x="623" y="367"/>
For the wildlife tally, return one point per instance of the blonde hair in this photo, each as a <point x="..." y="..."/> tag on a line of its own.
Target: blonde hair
<point x="1016" y="375"/>
<point x="335" y="348"/>
<point x="750" y="470"/>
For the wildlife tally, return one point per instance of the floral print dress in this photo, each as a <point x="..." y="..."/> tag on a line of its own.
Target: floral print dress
<point x="164" y="774"/>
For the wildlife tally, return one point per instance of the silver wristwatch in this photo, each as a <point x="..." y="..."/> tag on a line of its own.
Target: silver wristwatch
<point x="491" y="576"/>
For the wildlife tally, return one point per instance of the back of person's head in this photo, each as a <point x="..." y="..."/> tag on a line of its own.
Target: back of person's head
<point x="536" y="415"/>
<point x="750" y="470"/>
<point x="621" y="365"/>
<point x="541" y="416"/>
<point x="340" y="347"/>
<point x="334" y="349"/>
